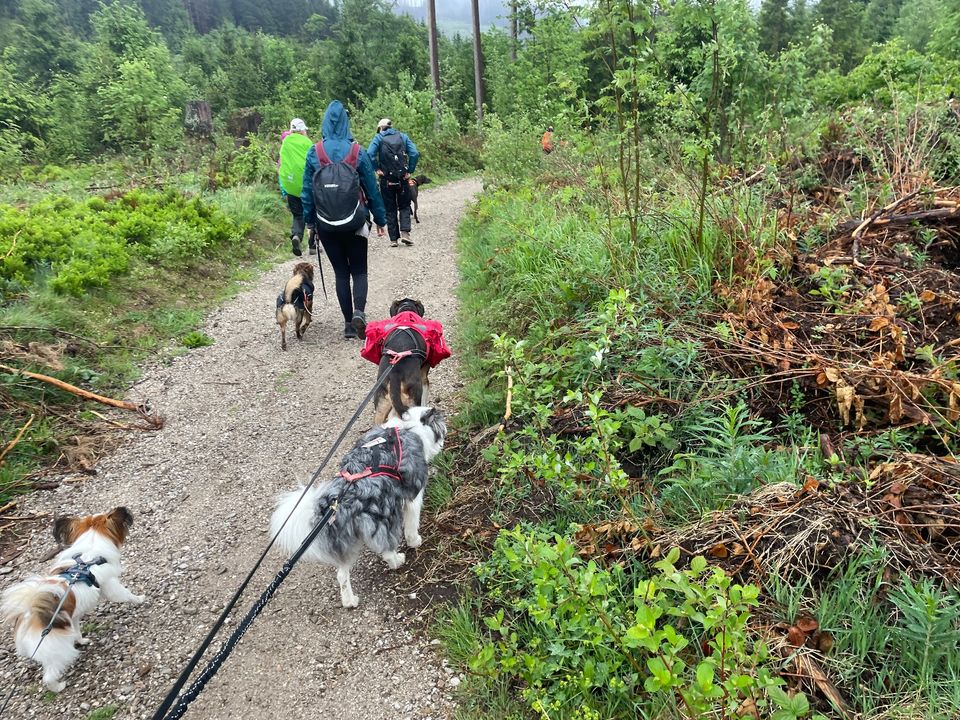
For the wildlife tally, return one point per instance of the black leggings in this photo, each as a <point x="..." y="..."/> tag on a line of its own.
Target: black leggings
<point x="348" y="255"/>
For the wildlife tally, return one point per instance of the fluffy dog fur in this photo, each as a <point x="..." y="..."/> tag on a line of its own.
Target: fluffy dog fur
<point x="30" y="605"/>
<point x="415" y="192"/>
<point x="286" y="304"/>
<point x="374" y="509"/>
<point x="409" y="383"/>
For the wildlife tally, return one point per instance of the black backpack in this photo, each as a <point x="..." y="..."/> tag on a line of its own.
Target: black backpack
<point x="393" y="156"/>
<point x="339" y="200"/>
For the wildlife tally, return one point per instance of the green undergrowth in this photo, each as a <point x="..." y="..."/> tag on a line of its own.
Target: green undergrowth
<point x="91" y="288"/>
<point x="620" y="428"/>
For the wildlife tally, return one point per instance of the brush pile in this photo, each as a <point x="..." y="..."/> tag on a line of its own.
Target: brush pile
<point x="864" y="328"/>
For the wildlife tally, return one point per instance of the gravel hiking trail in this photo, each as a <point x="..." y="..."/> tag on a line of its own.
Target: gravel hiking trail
<point x="244" y="422"/>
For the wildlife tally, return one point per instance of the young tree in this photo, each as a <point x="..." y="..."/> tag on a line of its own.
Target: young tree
<point x="845" y="19"/>
<point x="774" y="26"/>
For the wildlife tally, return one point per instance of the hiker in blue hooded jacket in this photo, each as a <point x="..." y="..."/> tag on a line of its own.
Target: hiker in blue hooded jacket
<point x="347" y="250"/>
<point x="395" y="159"/>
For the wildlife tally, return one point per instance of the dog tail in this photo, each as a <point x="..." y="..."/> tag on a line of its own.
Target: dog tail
<point x="396" y="394"/>
<point x="31" y="604"/>
<point x="301" y="522"/>
<point x="292" y="284"/>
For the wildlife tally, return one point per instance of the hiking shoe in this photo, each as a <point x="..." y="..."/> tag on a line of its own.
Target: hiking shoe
<point x="405" y="238"/>
<point x="394" y="243"/>
<point x="349" y="332"/>
<point x="360" y="324"/>
<point x="296" y="245"/>
<point x="313" y="249"/>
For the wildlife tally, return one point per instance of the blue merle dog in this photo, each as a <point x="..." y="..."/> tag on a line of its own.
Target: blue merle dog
<point x="381" y="480"/>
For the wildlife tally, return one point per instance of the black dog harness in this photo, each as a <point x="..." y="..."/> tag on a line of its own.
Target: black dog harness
<point x="419" y="351"/>
<point x="300" y="296"/>
<point x="82" y="571"/>
<point x="382" y="447"/>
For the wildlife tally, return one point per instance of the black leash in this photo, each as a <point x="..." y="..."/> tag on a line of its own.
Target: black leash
<point x="79" y="571"/>
<point x="214" y="665"/>
<point x="221" y="656"/>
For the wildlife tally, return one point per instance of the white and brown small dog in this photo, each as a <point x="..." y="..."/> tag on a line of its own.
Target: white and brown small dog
<point x="92" y="559"/>
<point x="295" y="303"/>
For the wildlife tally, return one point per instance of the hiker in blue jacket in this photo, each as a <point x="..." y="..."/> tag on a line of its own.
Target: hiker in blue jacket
<point x="347" y="250"/>
<point x="395" y="159"/>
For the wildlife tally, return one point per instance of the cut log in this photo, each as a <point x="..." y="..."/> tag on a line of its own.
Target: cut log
<point x="937" y="215"/>
<point x="245" y="121"/>
<point x="198" y="119"/>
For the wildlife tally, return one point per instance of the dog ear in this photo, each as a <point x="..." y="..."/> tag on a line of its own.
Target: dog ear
<point x="119" y="521"/>
<point x="420" y="308"/>
<point x="394" y="307"/>
<point x="63" y="530"/>
<point x="427" y="416"/>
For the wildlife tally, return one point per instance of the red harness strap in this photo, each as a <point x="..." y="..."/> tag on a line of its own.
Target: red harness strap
<point x="390" y="471"/>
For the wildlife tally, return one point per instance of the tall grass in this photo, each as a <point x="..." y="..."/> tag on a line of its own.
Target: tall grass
<point x="895" y="641"/>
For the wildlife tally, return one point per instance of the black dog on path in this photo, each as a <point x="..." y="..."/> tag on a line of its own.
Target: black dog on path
<point x="415" y="191"/>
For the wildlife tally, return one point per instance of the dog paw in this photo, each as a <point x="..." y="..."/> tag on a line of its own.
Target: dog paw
<point x="56" y="687"/>
<point x="349" y="601"/>
<point x="138" y="599"/>
<point x="83" y="641"/>
<point x="414" y="542"/>
<point x="395" y="560"/>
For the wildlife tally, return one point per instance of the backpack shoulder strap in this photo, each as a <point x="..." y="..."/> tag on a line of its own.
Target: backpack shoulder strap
<point x="353" y="157"/>
<point x="322" y="156"/>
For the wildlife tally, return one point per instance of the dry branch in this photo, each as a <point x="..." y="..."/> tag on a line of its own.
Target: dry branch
<point x="13" y="443"/>
<point x="80" y="392"/>
<point x="153" y="421"/>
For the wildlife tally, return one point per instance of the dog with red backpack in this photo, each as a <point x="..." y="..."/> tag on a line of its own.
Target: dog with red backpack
<point x="414" y="345"/>
<point x="340" y="190"/>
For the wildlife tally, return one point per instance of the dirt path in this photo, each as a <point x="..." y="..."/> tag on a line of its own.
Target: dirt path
<point x="244" y="422"/>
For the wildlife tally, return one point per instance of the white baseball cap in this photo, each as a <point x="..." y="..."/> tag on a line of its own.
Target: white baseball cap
<point x="298" y="125"/>
<point x="384" y="123"/>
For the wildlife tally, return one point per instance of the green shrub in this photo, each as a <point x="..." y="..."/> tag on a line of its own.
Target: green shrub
<point x="590" y="642"/>
<point x="74" y="245"/>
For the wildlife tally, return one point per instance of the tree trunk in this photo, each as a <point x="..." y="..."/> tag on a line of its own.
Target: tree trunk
<point x="477" y="59"/>
<point x="434" y="51"/>
<point x="514" y="31"/>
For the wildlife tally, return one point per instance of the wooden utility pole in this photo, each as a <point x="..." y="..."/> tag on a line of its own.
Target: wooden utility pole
<point x="514" y="30"/>
<point x="477" y="60"/>
<point x="432" y="42"/>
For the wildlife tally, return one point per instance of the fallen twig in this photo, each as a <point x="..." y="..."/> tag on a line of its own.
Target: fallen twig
<point x="13" y="443"/>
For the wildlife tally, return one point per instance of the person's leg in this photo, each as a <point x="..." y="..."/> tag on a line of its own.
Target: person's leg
<point x="357" y="260"/>
<point x="296" y="225"/>
<point x="403" y="203"/>
<point x="336" y="251"/>
<point x="389" y="193"/>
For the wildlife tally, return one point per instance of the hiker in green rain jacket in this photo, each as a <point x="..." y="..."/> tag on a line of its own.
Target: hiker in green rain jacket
<point x="293" y="158"/>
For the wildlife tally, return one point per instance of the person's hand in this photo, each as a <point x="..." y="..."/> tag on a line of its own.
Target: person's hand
<point x="406" y="176"/>
<point x="381" y="231"/>
<point x="379" y="173"/>
<point x="312" y="228"/>
<point x="411" y="182"/>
